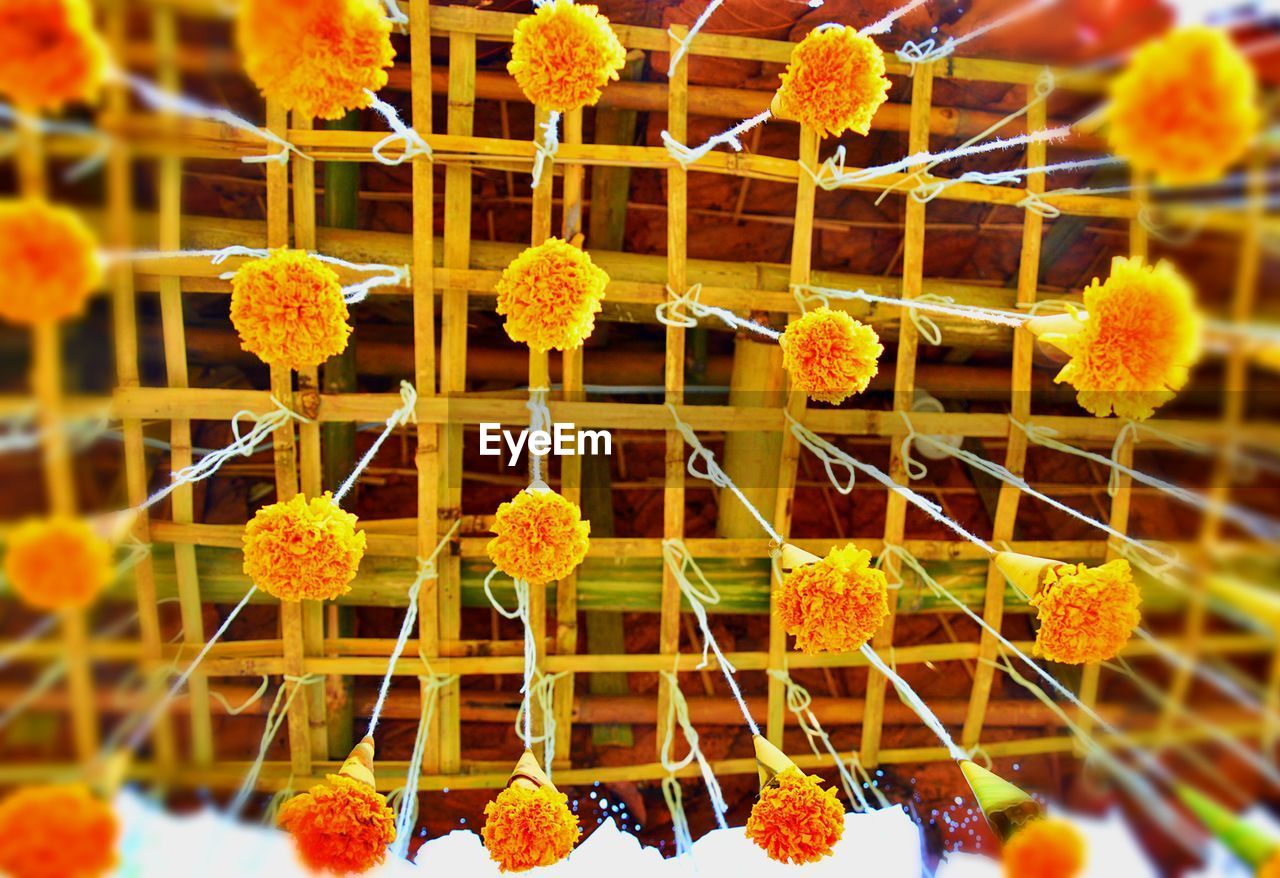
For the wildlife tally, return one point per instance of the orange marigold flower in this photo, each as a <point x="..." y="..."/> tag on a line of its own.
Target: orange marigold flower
<point x="525" y="828"/>
<point x="1134" y="349"/>
<point x="1045" y="848"/>
<point x="1185" y="108"/>
<point x="289" y="309"/>
<point x="795" y="820"/>
<point x="303" y="550"/>
<point x="1271" y="868"/>
<point x="1086" y="614"/>
<point x="834" y="82"/>
<point x="341" y="826"/>
<point x="550" y="295"/>
<point x="61" y="831"/>
<point x="830" y="355"/>
<point x="540" y="538"/>
<point x="564" y="54"/>
<point x="50" y="53"/>
<point x="834" y="605"/>
<point x="50" y="262"/>
<point x="57" y="563"/>
<point x="316" y="57"/>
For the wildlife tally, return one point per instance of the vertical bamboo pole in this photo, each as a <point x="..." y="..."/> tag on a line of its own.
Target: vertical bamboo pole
<point x="789" y="457"/>
<point x="312" y="466"/>
<point x="673" y="511"/>
<point x="453" y="372"/>
<point x="427" y="458"/>
<point x="903" y="394"/>
<point x="286" y="461"/>
<point x="570" y="467"/>
<point x="1016" y="455"/>
<point x="175" y="359"/>
<point x="125" y="330"/>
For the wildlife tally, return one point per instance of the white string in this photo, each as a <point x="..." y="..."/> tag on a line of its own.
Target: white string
<point x="276" y="717"/>
<point x="401" y="416"/>
<point x="544" y="149"/>
<point x="916" y="703"/>
<point x="680" y="562"/>
<point x="34" y="633"/>
<point x="401" y="133"/>
<point x="920" y="303"/>
<point x="672" y="313"/>
<point x="833" y="457"/>
<point x="930" y="189"/>
<point x="80" y="169"/>
<point x="884" y="25"/>
<point x="684" y="43"/>
<point x="521" y="613"/>
<point x="539" y="419"/>
<point x="678" y="714"/>
<point x="686" y="156"/>
<point x="394" y="15"/>
<point x="800" y="702"/>
<point x="426" y="571"/>
<point x="927" y="51"/>
<point x="1259" y="525"/>
<point x="407" y="815"/>
<point x="244" y="445"/>
<point x="714" y="474"/>
<point x="158" y="99"/>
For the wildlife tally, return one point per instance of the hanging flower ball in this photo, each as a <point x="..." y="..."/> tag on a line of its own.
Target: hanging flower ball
<point x="61" y="831"/>
<point x="303" y="549"/>
<point x="50" y="262"/>
<point x="795" y="820"/>
<point x="1185" y="108"/>
<point x="830" y="355"/>
<point x="1086" y="614"/>
<point x="550" y="295"/>
<point x="50" y="54"/>
<point x="289" y="309"/>
<point x="564" y="54"/>
<point x="342" y="826"/>
<point x="525" y="828"/>
<point x="834" y="82"/>
<point x="541" y="537"/>
<point x="1044" y="848"/>
<point x="57" y="563"/>
<point x="1271" y="868"/>
<point x="835" y="605"/>
<point x="1135" y="347"/>
<point x="316" y="57"/>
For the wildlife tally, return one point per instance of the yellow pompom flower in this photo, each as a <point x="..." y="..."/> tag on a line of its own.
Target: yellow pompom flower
<point x="50" y="53"/>
<point x="795" y="820"/>
<point x="835" y="82"/>
<point x="540" y="538"/>
<point x="564" y="54"/>
<point x="1044" y="848"/>
<point x="1271" y="868"/>
<point x="303" y="549"/>
<point x="289" y="310"/>
<point x="50" y="261"/>
<point x="316" y="57"/>
<point x="341" y="826"/>
<point x="835" y="605"/>
<point x="60" y="831"/>
<point x="525" y="828"/>
<point x="830" y="355"/>
<point x="1086" y="614"/>
<point x="57" y="563"/>
<point x="550" y="295"/>
<point x="1185" y="108"/>
<point x="1135" y="348"/>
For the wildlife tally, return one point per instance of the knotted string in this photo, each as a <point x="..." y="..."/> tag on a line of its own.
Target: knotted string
<point x="678" y="714"/>
<point x="928" y="51"/>
<point x="407" y="796"/>
<point x="928" y="190"/>
<point x="524" y="715"/>
<point x="682" y="45"/>
<point x="799" y="702"/>
<point x="545" y="148"/>
<point x="406" y="413"/>
<point x="672" y="313"/>
<point x="426" y="571"/>
<point x="676" y="555"/>
<point x="236" y="710"/>
<point x="394" y="15"/>
<point x="277" y="714"/>
<point x="686" y="156"/>
<point x="413" y="144"/>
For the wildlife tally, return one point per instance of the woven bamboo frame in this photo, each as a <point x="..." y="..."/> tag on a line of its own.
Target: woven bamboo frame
<point x="449" y="268"/>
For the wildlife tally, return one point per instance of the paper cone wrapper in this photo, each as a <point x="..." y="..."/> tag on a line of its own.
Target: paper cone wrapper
<point x="114" y="527"/>
<point x="1027" y="572"/>
<point x="1248" y="842"/>
<point x="775" y="107"/>
<point x="1248" y="599"/>
<point x="538" y="487"/>
<point x="108" y="776"/>
<point x="770" y="761"/>
<point x="359" y="765"/>
<point x="1005" y="806"/>
<point x="529" y="774"/>
<point x="1052" y="328"/>
<point x="793" y="557"/>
